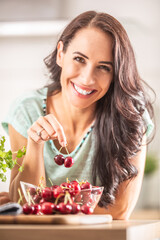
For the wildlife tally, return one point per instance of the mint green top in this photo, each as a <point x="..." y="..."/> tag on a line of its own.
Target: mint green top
<point x="26" y="110"/>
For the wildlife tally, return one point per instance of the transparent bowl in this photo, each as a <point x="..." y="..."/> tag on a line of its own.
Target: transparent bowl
<point x="91" y="197"/>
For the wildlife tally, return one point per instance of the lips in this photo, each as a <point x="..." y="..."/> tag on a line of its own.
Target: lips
<point x="83" y="91"/>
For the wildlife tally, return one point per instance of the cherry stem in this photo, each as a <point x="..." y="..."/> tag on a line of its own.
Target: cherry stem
<point x="30" y="200"/>
<point x="67" y="180"/>
<point x="41" y="185"/>
<point x="50" y="181"/>
<point x="67" y="198"/>
<point x="60" y="195"/>
<point x="20" y="196"/>
<point x="60" y="149"/>
<point x="67" y="150"/>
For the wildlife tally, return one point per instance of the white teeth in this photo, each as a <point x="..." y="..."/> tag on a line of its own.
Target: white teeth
<point x="83" y="92"/>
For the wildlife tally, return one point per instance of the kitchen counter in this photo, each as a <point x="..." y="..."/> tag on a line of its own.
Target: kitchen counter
<point x="119" y="230"/>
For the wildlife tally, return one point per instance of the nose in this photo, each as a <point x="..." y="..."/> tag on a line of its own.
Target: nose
<point x="88" y="76"/>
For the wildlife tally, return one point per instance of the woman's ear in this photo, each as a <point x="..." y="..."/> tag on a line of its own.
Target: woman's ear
<point x="59" y="53"/>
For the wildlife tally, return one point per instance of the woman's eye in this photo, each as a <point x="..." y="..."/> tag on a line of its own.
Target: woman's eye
<point x="105" y="68"/>
<point x="79" y="59"/>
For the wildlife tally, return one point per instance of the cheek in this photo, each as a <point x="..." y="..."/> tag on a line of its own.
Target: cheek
<point x="69" y="71"/>
<point x="106" y="84"/>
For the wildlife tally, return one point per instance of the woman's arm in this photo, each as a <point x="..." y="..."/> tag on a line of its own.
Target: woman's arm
<point x="32" y="161"/>
<point x="128" y="191"/>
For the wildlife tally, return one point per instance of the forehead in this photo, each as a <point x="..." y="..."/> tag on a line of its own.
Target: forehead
<point x="92" y="40"/>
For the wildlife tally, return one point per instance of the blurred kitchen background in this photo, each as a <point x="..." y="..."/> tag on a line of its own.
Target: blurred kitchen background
<point x="28" y="32"/>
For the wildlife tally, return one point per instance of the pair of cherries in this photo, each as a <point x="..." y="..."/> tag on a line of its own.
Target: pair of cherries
<point x="60" y="160"/>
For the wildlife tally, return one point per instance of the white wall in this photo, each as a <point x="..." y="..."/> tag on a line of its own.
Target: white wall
<point x="21" y="57"/>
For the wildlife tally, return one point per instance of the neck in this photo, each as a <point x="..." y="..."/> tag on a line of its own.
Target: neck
<point x="70" y="117"/>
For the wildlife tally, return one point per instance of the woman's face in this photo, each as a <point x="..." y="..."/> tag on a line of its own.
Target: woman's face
<point x="87" y="67"/>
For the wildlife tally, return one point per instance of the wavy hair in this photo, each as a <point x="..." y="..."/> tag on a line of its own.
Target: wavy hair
<point x="119" y="125"/>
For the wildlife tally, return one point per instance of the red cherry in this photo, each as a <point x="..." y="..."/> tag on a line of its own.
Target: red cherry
<point x="65" y="208"/>
<point x="74" y="182"/>
<point x="37" y="198"/>
<point x="53" y="187"/>
<point x="86" y="209"/>
<point x="78" y="198"/>
<point x="68" y="162"/>
<point x="66" y="185"/>
<point x="46" y="193"/>
<point x="27" y="209"/>
<point x="47" y="208"/>
<point x="59" y="159"/>
<point x="42" y="201"/>
<point x="75" y="189"/>
<point x="57" y="207"/>
<point x="36" y="208"/>
<point x="32" y="191"/>
<point x="86" y="185"/>
<point x="86" y="195"/>
<point x="75" y="208"/>
<point x="57" y="191"/>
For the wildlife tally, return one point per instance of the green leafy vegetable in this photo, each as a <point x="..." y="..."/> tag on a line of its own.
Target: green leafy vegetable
<point x="6" y="159"/>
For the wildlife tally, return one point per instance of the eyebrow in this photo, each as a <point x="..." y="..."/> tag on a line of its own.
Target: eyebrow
<point x="104" y="62"/>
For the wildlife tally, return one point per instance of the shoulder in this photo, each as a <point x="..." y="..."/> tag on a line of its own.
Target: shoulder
<point x="25" y="110"/>
<point x="31" y="97"/>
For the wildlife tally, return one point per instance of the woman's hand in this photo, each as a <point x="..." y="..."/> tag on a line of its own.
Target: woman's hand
<point x="46" y="128"/>
<point x="4" y="198"/>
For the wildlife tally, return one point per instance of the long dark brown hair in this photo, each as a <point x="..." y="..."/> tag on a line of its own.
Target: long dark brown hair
<point x="119" y="126"/>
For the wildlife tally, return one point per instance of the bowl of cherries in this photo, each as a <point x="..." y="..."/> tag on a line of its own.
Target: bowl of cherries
<point x="70" y="197"/>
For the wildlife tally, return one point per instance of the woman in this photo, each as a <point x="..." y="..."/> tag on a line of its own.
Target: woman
<point x="96" y="106"/>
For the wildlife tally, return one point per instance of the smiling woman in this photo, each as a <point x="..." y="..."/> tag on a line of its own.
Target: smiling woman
<point x="95" y="105"/>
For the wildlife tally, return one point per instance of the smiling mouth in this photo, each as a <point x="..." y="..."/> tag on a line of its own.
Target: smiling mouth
<point x="82" y="91"/>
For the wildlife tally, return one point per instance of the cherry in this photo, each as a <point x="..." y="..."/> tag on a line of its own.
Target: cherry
<point x="86" y="196"/>
<point x="59" y="159"/>
<point x="57" y="207"/>
<point x="75" y="189"/>
<point x="86" y="209"/>
<point x="65" y="208"/>
<point x="46" y="193"/>
<point x="42" y="201"/>
<point x="36" y="208"/>
<point x="57" y="191"/>
<point x="86" y="185"/>
<point x="37" y="198"/>
<point x="78" y="198"/>
<point x="27" y="209"/>
<point x="75" y="208"/>
<point x="74" y="182"/>
<point x="54" y="186"/>
<point x="47" y="208"/>
<point x="32" y="191"/>
<point x="66" y="185"/>
<point x="68" y="162"/>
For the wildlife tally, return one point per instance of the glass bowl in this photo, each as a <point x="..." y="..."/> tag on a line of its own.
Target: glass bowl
<point x="33" y="195"/>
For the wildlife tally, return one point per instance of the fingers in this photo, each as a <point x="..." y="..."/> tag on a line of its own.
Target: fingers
<point x="46" y="128"/>
<point x="58" y="129"/>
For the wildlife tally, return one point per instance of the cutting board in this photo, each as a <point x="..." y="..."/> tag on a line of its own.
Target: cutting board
<point x="78" y="219"/>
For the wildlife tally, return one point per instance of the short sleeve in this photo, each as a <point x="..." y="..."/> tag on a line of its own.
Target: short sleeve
<point x="148" y="122"/>
<point x="23" y="112"/>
